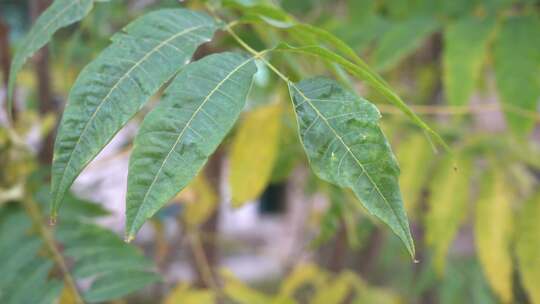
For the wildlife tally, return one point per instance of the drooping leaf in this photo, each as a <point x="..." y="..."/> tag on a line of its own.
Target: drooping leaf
<point x="401" y="40"/>
<point x="528" y="247"/>
<point x="111" y="89"/>
<point x="415" y="156"/>
<point x="517" y="70"/>
<point x="59" y="14"/>
<point x="464" y="53"/>
<point x="364" y="73"/>
<point x="253" y="153"/>
<point x="177" y="137"/>
<point x="493" y="231"/>
<point x="346" y="147"/>
<point x="447" y="206"/>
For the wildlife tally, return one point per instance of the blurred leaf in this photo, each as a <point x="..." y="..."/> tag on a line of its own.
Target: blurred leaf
<point x="493" y="232"/>
<point x="113" y="88"/>
<point x="464" y="283"/>
<point x="346" y="147"/>
<point x="177" y="137"/>
<point x="240" y="293"/>
<point x="450" y="194"/>
<point x="289" y="148"/>
<point x="528" y="247"/>
<point x="201" y="206"/>
<point x="302" y="274"/>
<point x="58" y="15"/>
<point x="415" y="157"/>
<point x="517" y="70"/>
<point x="464" y="53"/>
<point x="401" y="40"/>
<point x="118" y="284"/>
<point x="335" y="291"/>
<point x="253" y="153"/>
<point x="183" y="293"/>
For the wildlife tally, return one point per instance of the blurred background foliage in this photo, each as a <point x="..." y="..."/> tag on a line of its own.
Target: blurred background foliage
<point x="469" y="67"/>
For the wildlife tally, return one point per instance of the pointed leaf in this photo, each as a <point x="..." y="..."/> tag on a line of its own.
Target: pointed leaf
<point x="528" y="247"/>
<point x="346" y="147"/>
<point x="177" y="137"/>
<point x="447" y="206"/>
<point x="517" y="70"/>
<point x="464" y="53"/>
<point x="111" y="89"/>
<point x="253" y="153"/>
<point x="493" y="231"/>
<point x="58" y="15"/>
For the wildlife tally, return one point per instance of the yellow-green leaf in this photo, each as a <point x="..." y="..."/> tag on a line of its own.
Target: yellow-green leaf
<point x="493" y="229"/>
<point x="200" y="201"/>
<point x="241" y="293"/>
<point x="254" y="152"/>
<point x="447" y="207"/>
<point x="415" y="156"/>
<point x="528" y="247"/>
<point x="184" y="294"/>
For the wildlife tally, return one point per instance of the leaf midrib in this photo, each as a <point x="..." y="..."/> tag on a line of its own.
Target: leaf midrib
<point x="352" y="154"/>
<point x="186" y="126"/>
<point x="127" y="74"/>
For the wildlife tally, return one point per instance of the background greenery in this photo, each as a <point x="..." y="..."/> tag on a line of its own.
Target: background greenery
<point x="470" y="68"/>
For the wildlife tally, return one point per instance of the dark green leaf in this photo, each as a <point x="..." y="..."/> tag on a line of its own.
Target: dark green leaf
<point x="111" y="89"/>
<point x="346" y="147"/>
<point x="178" y="136"/>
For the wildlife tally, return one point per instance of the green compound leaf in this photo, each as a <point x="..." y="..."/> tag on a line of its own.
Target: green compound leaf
<point x="346" y="147"/>
<point x="114" y="87"/>
<point x="60" y="14"/>
<point x="177" y="137"/>
<point x="465" y="43"/>
<point x="517" y="70"/>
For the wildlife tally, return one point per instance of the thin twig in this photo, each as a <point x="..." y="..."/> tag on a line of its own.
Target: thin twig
<point x="202" y="262"/>
<point x="37" y="218"/>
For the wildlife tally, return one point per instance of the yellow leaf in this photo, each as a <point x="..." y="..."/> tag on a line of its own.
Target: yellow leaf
<point x="67" y="296"/>
<point x="528" y="247"/>
<point x="414" y="155"/>
<point x="302" y="274"/>
<point x="253" y="153"/>
<point x="335" y="291"/>
<point x="447" y="207"/>
<point x="200" y="201"/>
<point x="241" y="293"/>
<point x="493" y="229"/>
<point x="183" y="294"/>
